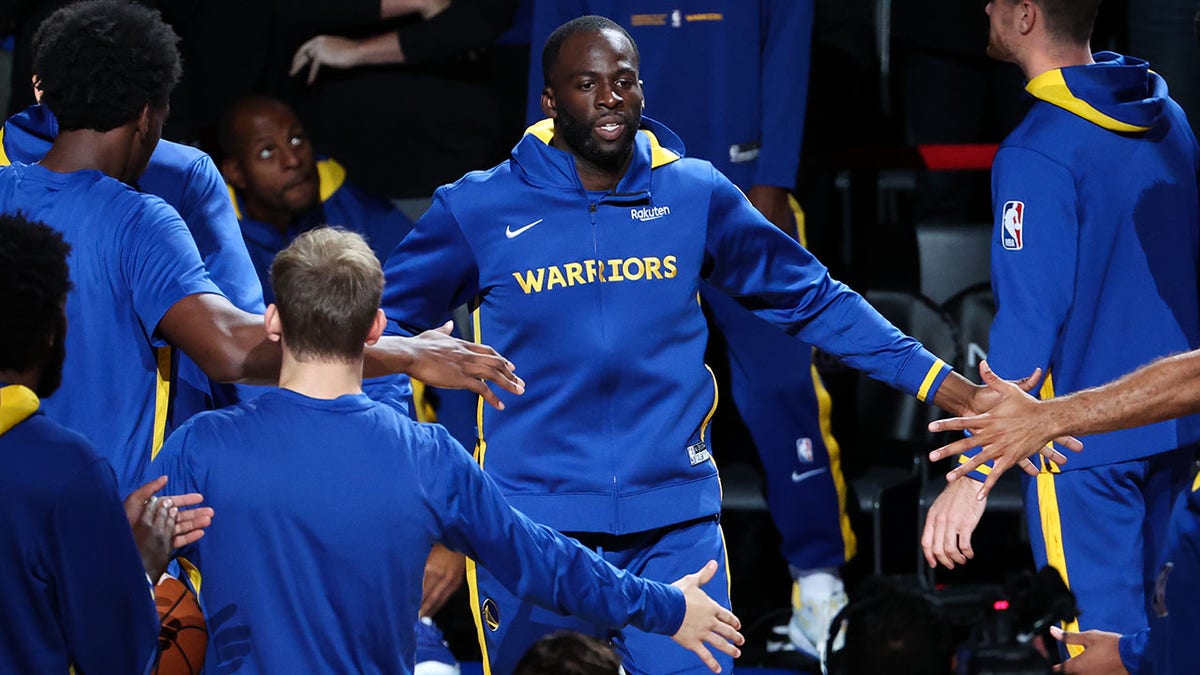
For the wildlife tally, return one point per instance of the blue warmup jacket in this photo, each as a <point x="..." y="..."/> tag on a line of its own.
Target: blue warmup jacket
<point x="131" y="260"/>
<point x="74" y="590"/>
<point x="1094" y="256"/>
<point x="328" y="509"/>
<point x="594" y="298"/>
<point x="756" y="52"/>
<point x="189" y="181"/>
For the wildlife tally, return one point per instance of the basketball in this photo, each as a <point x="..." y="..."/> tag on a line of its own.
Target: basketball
<point x="182" y="637"/>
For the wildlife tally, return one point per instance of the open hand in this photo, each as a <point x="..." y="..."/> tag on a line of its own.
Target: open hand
<point x="949" y="525"/>
<point x="444" y="570"/>
<point x="439" y="360"/>
<point x="1007" y="424"/>
<point x="706" y="621"/>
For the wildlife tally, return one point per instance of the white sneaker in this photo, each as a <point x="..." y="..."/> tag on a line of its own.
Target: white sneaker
<point x="816" y="599"/>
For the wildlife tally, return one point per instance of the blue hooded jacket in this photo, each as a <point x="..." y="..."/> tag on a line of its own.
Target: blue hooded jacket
<point x="594" y="297"/>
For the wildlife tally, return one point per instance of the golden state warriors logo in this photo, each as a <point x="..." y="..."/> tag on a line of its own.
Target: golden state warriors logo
<point x="491" y="614"/>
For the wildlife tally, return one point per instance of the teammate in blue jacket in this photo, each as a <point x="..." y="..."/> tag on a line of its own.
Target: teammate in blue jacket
<point x="584" y="254"/>
<point x="105" y="69"/>
<point x="1094" y="267"/>
<point x="329" y="501"/>
<point x="745" y="64"/>
<point x="75" y="593"/>
<point x="280" y="189"/>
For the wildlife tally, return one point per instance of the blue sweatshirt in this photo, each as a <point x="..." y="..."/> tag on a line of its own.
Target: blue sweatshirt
<point x="1175" y="617"/>
<point x="188" y="180"/>
<point x="594" y="298"/>
<point x="74" y="590"/>
<point x="131" y="260"/>
<point x="729" y="76"/>
<point x="326" y="512"/>
<point x="1097" y="236"/>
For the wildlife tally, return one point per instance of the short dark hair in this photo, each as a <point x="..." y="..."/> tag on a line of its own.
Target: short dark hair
<point x="34" y="281"/>
<point x="896" y="630"/>
<point x="98" y="63"/>
<point x="327" y="285"/>
<point x="584" y="24"/>
<point x="1071" y="19"/>
<point x="569" y="653"/>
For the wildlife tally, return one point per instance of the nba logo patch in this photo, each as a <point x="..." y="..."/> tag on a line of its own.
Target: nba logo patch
<point x="1012" y="222"/>
<point x="804" y="450"/>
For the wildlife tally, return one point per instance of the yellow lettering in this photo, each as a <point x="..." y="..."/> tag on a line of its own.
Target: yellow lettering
<point x="669" y="267"/>
<point x="556" y="277"/>
<point x="614" y="273"/>
<point x="652" y="265"/>
<point x="641" y="269"/>
<point x="574" y="273"/>
<point x="530" y="283"/>
<point x="590" y="266"/>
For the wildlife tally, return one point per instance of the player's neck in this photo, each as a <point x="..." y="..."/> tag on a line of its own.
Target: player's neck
<point x="320" y="379"/>
<point x="1056" y="56"/>
<point x="105" y="151"/>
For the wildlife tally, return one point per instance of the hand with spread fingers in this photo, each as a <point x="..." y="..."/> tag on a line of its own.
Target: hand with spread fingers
<point x="161" y="525"/>
<point x="706" y="621"/>
<point x="1101" y="653"/>
<point x="1008" y="425"/>
<point x="439" y="360"/>
<point x="325" y="50"/>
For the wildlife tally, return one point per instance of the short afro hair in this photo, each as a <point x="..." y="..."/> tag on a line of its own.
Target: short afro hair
<point x="34" y="281"/>
<point x="98" y="63"/>
<point x="583" y="24"/>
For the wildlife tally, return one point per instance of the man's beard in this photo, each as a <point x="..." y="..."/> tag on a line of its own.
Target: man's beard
<point x="578" y="136"/>
<point x="51" y="375"/>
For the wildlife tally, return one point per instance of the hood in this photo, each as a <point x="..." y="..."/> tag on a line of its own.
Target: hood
<point x="1118" y="93"/>
<point x="655" y="145"/>
<point x="27" y="136"/>
<point x="16" y="404"/>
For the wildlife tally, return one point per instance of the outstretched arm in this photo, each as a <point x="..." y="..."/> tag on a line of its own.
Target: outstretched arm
<point x="1016" y="422"/>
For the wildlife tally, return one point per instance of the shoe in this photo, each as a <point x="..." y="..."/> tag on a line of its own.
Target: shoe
<point x="433" y="654"/>
<point x="816" y="600"/>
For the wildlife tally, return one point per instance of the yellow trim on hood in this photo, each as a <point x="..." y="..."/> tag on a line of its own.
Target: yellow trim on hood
<point x="659" y="156"/>
<point x="1052" y="88"/>
<point x="17" y="403"/>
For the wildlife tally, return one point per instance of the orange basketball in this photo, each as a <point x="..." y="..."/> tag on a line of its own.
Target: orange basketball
<point x="183" y="637"/>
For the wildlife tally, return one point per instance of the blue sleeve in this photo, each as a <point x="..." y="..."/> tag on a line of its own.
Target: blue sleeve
<point x="1034" y="254"/>
<point x="773" y="276"/>
<point x="788" y="30"/>
<point x="547" y="15"/>
<point x="161" y="265"/>
<point x="533" y="561"/>
<point x="431" y="272"/>
<point x="208" y="213"/>
<point x="104" y="603"/>
<point x="1131" y="648"/>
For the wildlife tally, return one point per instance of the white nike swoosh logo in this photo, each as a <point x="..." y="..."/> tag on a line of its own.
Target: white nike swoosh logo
<point x="510" y="233"/>
<point x="797" y="477"/>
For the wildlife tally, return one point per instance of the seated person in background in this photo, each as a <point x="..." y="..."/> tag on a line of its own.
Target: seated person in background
<point x="329" y="501"/>
<point x="75" y="593"/>
<point x="281" y="190"/>
<point x="570" y="653"/>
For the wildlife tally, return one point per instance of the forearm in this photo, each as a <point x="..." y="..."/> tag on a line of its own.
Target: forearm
<point x="392" y="8"/>
<point x="390" y="355"/>
<point x="1165" y="389"/>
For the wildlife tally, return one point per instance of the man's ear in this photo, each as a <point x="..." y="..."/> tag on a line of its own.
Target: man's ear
<point x="377" y="327"/>
<point x="273" y="323"/>
<point x="1027" y="16"/>
<point x="231" y="169"/>
<point x="549" y="106"/>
